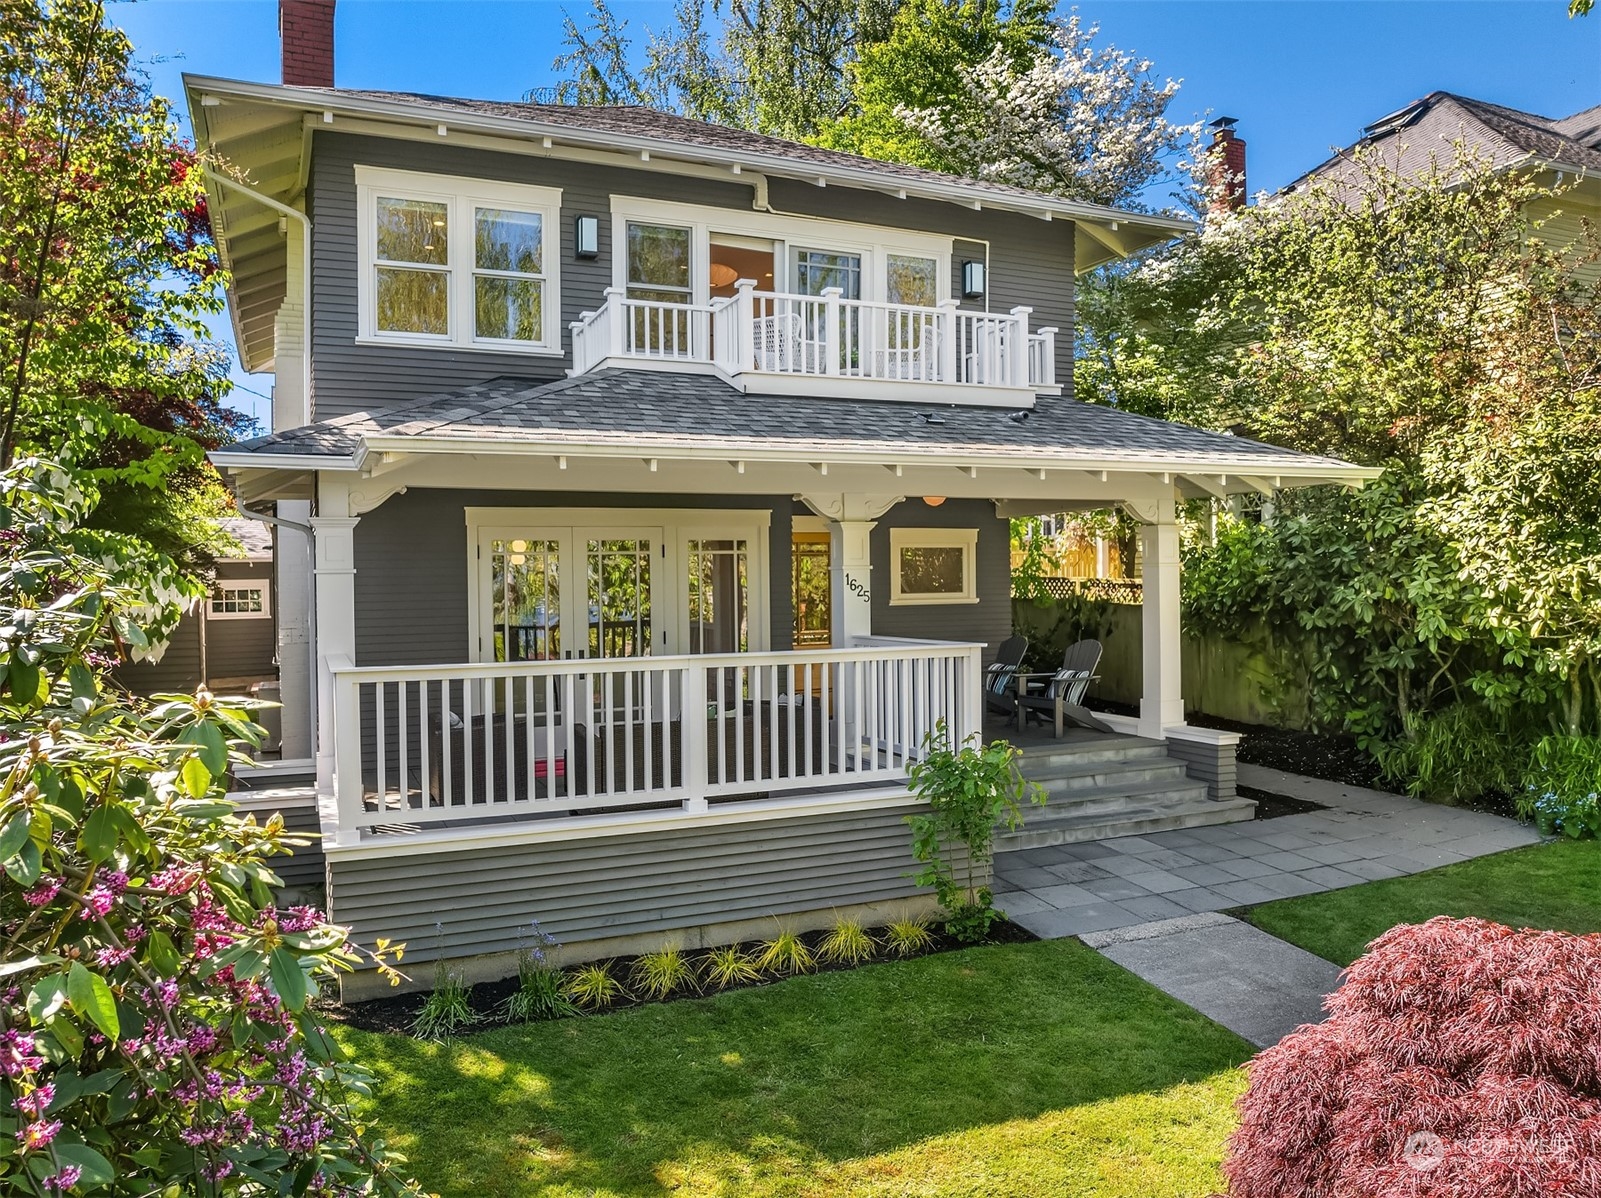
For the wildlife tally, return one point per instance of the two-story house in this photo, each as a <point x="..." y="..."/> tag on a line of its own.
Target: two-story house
<point x="641" y="489"/>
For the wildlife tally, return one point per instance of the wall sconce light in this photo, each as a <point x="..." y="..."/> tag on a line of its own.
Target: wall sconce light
<point x="933" y="500"/>
<point x="586" y="237"/>
<point x="973" y="280"/>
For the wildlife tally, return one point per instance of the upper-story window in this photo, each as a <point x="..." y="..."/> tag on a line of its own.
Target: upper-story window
<point x="659" y="263"/>
<point x="911" y="279"/>
<point x="460" y="262"/>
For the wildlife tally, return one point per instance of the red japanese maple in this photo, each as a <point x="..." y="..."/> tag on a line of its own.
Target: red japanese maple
<point x="1461" y="1059"/>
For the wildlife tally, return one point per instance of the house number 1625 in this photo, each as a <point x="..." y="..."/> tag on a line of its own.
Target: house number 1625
<point x="858" y="588"/>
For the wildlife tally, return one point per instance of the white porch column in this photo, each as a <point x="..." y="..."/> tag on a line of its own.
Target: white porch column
<point x="851" y="519"/>
<point x="336" y="609"/>
<point x="850" y="572"/>
<point x="292" y="607"/>
<point x="1162" y="704"/>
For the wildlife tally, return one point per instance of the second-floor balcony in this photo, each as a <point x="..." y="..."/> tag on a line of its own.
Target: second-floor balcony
<point x="827" y="344"/>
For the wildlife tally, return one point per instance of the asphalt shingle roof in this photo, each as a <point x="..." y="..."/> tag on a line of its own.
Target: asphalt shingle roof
<point x="633" y="120"/>
<point x="642" y="408"/>
<point x="1426" y="128"/>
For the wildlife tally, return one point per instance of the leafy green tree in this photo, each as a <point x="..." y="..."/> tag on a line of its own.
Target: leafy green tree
<point x="1015" y="96"/>
<point x="771" y="66"/>
<point x="1431" y="325"/>
<point x="156" y="1028"/>
<point x="107" y="273"/>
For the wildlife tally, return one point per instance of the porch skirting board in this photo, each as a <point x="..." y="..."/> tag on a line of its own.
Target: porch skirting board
<point x="632" y="892"/>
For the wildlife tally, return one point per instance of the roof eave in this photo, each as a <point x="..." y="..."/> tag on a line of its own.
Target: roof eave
<point x="1158" y="228"/>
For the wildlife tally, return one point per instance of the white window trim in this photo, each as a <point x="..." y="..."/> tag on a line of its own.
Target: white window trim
<point x="965" y="539"/>
<point x="239" y="584"/>
<point x="670" y="604"/>
<point x="460" y="195"/>
<point x="787" y="232"/>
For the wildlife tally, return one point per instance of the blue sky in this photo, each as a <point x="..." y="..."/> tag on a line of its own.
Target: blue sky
<point x="1300" y="75"/>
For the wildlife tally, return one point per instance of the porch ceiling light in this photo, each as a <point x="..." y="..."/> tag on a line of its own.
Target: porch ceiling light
<point x="722" y="274"/>
<point x="586" y="237"/>
<point x="973" y="280"/>
<point x="933" y="500"/>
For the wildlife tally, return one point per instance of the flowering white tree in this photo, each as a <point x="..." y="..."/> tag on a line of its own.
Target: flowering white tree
<point x="1080" y="120"/>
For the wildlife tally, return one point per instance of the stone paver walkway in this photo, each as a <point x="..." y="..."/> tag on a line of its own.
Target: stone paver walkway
<point x="1254" y="984"/>
<point x="1364" y="835"/>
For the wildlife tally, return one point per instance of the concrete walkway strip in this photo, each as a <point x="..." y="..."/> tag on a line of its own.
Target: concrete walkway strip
<point x="1254" y="984"/>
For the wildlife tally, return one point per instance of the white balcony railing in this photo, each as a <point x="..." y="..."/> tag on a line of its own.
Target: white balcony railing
<point x="430" y="744"/>
<point x="825" y="336"/>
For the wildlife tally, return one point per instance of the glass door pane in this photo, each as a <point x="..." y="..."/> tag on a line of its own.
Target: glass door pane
<point x="810" y="590"/>
<point x="619" y="592"/>
<point x="525" y="581"/>
<point x="719" y="596"/>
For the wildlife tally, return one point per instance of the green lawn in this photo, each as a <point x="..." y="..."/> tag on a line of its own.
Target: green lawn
<point x="1028" y="1069"/>
<point x="1543" y="886"/>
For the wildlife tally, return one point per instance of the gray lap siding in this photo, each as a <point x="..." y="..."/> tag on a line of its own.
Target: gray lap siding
<point x="467" y="903"/>
<point x="1030" y="261"/>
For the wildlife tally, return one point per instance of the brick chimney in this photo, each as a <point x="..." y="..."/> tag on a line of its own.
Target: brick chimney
<point x="1226" y="170"/>
<point x="306" y="29"/>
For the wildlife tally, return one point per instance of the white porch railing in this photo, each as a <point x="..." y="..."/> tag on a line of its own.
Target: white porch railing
<point x="429" y="744"/>
<point x="824" y="336"/>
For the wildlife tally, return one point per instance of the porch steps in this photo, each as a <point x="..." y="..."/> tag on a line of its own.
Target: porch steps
<point x="1100" y="787"/>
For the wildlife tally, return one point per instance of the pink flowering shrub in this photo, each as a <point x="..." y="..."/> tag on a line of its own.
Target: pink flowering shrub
<point x="1461" y="1059"/>
<point x="156" y="1033"/>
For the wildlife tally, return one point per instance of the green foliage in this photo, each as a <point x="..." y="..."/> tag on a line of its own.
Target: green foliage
<point x="1440" y="326"/>
<point x="969" y="790"/>
<point x="157" y="1026"/>
<point x="591" y="987"/>
<point x="539" y="983"/>
<point x="908" y="937"/>
<point x="448" y="1009"/>
<point x="538" y="995"/>
<point x="847" y="943"/>
<point x="1563" y="784"/>
<point x="785" y="954"/>
<point x="1455" y="754"/>
<point x="729" y="965"/>
<point x="659" y="974"/>
<point x="112" y="275"/>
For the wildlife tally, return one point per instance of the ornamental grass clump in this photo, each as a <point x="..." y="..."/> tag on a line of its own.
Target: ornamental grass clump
<point x="908" y="937"/>
<point x="661" y="974"/>
<point x="1459" y="1061"/>
<point x="847" y="943"/>
<point x="448" y="1009"/>
<point x="157" y="1027"/>
<point x="593" y="987"/>
<point x="785" y="954"/>
<point x="728" y="966"/>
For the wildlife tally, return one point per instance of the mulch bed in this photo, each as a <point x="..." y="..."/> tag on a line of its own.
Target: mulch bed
<point x="396" y="1015"/>
<point x="1272" y="806"/>
<point x="1315" y="754"/>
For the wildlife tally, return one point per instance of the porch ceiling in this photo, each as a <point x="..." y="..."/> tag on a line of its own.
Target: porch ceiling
<point x="648" y="431"/>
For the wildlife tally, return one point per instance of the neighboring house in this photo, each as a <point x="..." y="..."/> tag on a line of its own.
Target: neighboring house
<point x="648" y="486"/>
<point x="227" y="643"/>
<point x="1565" y="151"/>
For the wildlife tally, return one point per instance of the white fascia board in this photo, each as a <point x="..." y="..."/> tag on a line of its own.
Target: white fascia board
<point x="224" y="460"/>
<point x="955" y="191"/>
<point x="1008" y="458"/>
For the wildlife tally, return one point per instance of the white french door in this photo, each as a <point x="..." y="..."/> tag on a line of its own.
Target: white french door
<point x="569" y="583"/>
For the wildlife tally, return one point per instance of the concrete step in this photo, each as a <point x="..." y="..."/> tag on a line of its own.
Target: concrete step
<point x="1120" y="796"/>
<point x="1067" y="781"/>
<point x="1136" y="819"/>
<point x="1053" y="754"/>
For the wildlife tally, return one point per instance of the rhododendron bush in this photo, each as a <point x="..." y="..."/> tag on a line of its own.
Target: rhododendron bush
<point x="1461" y="1059"/>
<point x="155" y="1029"/>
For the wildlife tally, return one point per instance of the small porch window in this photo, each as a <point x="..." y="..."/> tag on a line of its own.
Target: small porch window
<point x="932" y="565"/>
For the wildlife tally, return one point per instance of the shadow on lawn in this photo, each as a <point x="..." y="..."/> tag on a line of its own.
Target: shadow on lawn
<point x="743" y="1093"/>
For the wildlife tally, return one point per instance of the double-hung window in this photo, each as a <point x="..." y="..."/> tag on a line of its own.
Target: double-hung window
<point x="461" y="262"/>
